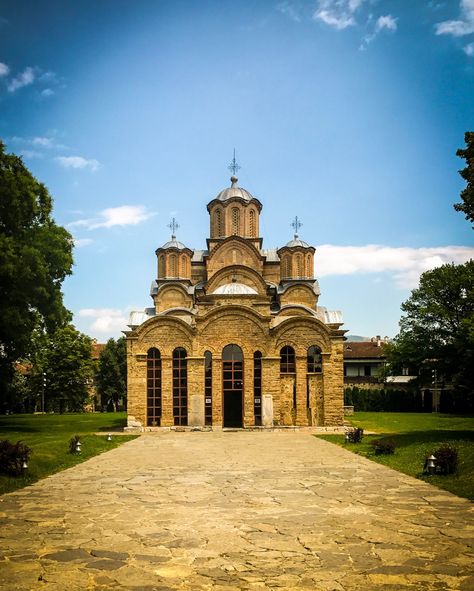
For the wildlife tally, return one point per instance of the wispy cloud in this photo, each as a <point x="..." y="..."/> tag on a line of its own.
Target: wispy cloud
<point x="289" y="9"/>
<point x="25" y="78"/>
<point x="31" y="154"/>
<point x="78" y="162"/>
<point x="464" y="25"/>
<point x="124" y="215"/>
<point x="406" y="264"/>
<point x="47" y="92"/>
<point x="339" y="14"/>
<point x="386" y="22"/>
<point x="80" y="242"/>
<point x="4" y="69"/>
<point x="469" y="49"/>
<point x="106" y="320"/>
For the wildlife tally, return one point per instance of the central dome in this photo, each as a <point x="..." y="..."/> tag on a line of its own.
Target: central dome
<point x="234" y="191"/>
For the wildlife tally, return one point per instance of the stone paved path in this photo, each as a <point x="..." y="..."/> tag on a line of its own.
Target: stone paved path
<point x="237" y="510"/>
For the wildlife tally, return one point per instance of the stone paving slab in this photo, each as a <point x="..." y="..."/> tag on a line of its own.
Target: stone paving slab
<point x="237" y="510"/>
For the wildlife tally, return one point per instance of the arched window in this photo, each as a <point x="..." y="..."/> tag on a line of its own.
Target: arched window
<point x="183" y="271"/>
<point x="252" y="224"/>
<point x="315" y="360"/>
<point x="218" y="227"/>
<point x="153" y="387"/>
<point x="257" y="387"/>
<point x="162" y="266"/>
<point x="208" y="388"/>
<point x="235" y="220"/>
<point x="173" y="266"/>
<point x="287" y="360"/>
<point x="309" y="271"/>
<point x="286" y="266"/>
<point x="180" y="387"/>
<point x="299" y="266"/>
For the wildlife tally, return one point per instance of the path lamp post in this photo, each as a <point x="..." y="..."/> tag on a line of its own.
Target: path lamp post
<point x="78" y="447"/>
<point x="24" y="466"/>
<point x="109" y="437"/>
<point x="431" y="465"/>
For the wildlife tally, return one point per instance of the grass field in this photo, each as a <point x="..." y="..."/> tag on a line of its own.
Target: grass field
<point x="49" y="435"/>
<point x="416" y="436"/>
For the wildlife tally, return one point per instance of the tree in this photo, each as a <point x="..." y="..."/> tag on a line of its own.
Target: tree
<point x="437" y="330"/>
<point x="35" y="258"/>
<point x="467" y="195"/>
<point x="111" y="377"/>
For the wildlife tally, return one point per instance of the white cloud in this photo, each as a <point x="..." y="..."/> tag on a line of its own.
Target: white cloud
<point x="290" y="10"/>
<point x="387" y="22"/>
<point x="106" y="319"/>
<point x="405" y="263"/>
<point x="469" y="49"/>
<point x="78" y="162"/>
<point x="30" y="154"/>
<point x="124" y="215"/>
<point x="337" y="13"/>
<point x="4" y="69"/>
<point x="463" y="26"/>
<point x="47" y="92"/>
<point x="80" y="242"/>
<point x="26" y="78"/>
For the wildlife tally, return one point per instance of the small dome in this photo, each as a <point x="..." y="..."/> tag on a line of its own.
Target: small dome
<point x="234" y="191"/>
<point x="297" y="242"/>
<point x="235" y="289"/>
<point x="173" y="243"/>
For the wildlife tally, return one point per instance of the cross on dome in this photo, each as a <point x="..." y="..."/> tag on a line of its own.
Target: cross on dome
<point x="233" y="166"/>
<point x="173" y="225"/>
<point x="296" y="224"/>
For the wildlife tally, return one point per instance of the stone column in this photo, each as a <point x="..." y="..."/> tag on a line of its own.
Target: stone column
<point x="216" y="391"/>
<point x="249" y="417"/>
<point x="333" y="379"/>
<point x="167" y="419"/>
<point x="271" y="383"/>
<point x="195" y="391"/>
<point x="301" y="392"/>
<point x="136" y="390"/>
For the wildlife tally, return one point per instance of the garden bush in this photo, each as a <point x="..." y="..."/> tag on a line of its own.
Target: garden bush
<point x="12" y="456"/>
<point x="383" y="446"/>
<point x="354" y="435"/>
<point x="446" y="459"/>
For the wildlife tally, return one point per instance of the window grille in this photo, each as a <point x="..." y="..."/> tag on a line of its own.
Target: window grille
<point x="153" y="388"/>
<point x="287" y="360"/>
<point x="180" y="387"/>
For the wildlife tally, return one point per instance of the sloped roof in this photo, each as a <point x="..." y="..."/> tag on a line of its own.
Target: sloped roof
<point x="364" y="350"/>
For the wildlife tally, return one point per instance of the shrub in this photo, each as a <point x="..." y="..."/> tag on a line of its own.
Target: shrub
<point x="354" y="435"/>
<point x="383" y="446"/>
<point x="446" y="459"/>
<point x="73" y="444"/>
<point x="12" y="456"/>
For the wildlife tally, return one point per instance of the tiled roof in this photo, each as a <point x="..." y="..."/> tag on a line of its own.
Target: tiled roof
<point x="364" y="350"/>
<point x="97" y="349"/>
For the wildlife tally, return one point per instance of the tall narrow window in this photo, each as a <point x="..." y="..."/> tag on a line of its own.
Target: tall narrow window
<point x="309" y="271"/>
<point x="315" y="360"/>
<point x="161" y="266"/>
<point x="173" y="266"/>
<point x="257" y="387"/>
<point x="180" y="387"/>
<point x="235" y="220"/>
<point x="153" y="388"/>
<point x="184" y="271"/>
<point x="218" y="226"/>
<point x="287" y="360"/>
<point x="252" y="224"/>
<point x="286" y="267"/>
<point x="208" y="388"/>
<point x="299" y="266"/>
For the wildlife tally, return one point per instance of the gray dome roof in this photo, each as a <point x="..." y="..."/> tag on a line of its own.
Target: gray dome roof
<point x="297" y="242"/>
<point x="173" y="243"/>
<point x="234" y="191"/>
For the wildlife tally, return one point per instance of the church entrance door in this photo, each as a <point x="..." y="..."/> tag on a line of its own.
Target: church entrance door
<point x="233" y="385"/>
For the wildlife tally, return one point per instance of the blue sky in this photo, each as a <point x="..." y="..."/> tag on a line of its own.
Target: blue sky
<point x="347" y="113"/>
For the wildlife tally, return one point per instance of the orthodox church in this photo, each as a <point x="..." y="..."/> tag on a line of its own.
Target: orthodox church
<point x="235" y="336"/>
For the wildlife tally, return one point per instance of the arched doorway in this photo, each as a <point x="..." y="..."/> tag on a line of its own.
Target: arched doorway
<point x="232" y="385"/>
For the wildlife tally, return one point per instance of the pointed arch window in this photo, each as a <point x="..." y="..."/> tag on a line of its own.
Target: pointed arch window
<point x="180" y="387"/>
<point x="286" y="266"/>
<point x="315" y="360"/>
<point x="153" y="387"/>
<point x="184" y="270"/>
<point x="309" y="271"/>
<point x="299" y="266"/>
<point x="162" y="266"/>
<point x="287" y="360"/>
<point x="208" y="388"/>
<point x="235" y="212"/>
<point x="173" y="266"/>
<point x="218" y="225"/>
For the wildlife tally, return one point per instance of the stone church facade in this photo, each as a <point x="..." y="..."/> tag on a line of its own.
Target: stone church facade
<point x="235" y="337"/>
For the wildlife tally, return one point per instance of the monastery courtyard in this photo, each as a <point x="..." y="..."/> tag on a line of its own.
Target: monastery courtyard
<point x="234" y="510"/>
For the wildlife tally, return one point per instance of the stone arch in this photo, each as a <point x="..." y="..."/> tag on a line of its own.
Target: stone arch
<point x="245" y="275"/>
<point x="301" y="332"/>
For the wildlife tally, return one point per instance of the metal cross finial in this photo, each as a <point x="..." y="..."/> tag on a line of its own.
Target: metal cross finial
<point x="233" y="166"/>
<point x="296" y="224"/>
<point x="174" y="226"/>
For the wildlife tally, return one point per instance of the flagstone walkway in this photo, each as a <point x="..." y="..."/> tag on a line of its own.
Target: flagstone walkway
<point x="236" y="510"/>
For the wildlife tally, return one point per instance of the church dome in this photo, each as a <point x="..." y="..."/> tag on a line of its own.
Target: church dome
<point x="235" y="289"/>
<point x="234" y="191"/>
<point x="173" y="243"/>
<point x="297" y="242"/>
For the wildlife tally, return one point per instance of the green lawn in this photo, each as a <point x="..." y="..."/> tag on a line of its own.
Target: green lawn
<point x="49" y="435"/>
<point x="416" y="436"/>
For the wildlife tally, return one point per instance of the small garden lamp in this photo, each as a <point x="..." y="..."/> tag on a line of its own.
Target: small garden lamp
<point x="431" y="464"/>
<point x="78" y="447"/>
<point x="346" y="437"/>
<point x="24" y="466"/>
<point x="109" y="437"/>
